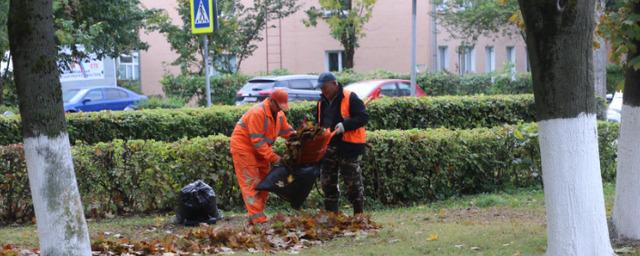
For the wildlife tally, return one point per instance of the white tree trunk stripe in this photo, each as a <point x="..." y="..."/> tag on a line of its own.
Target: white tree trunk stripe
<point x="626" y="211"/>
<point x="54" y="188"/>
<point x="574" y="198"/>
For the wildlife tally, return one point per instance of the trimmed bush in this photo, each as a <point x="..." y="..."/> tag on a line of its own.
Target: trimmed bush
<point x="390" y="113"/>
<point x="185" y="87"/>
<point x="400" y="168"/>
<point x="439" y="84"/>
<point x="450" y="112"/>
<point x="162" y="103"/>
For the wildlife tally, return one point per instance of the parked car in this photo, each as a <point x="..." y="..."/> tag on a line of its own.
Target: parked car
<point x="614" y="111"/>
<point x="300" y="87"/>
<point x="373" y="89"/>
<point x="100" y="98"/>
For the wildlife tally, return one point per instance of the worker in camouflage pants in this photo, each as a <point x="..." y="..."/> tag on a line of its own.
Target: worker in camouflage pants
<point x="349" y="169"/>
<point x="344" y="113"/>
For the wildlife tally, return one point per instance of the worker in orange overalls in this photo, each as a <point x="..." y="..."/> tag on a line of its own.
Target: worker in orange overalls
<point x="251" y="150"/>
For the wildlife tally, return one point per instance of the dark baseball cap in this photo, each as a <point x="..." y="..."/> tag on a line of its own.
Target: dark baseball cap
<point x="325" y="77"/>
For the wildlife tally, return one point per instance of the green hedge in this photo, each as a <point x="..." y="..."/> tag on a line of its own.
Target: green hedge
<point x="438" y="84"/>
<point x="390" y="113"/>
<point x="400" y="167"/>
<point x="435" y="84"/>
<point x="223" y="87"/>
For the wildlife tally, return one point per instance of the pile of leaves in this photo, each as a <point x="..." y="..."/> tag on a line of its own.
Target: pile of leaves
<point x="306" y="146"/>
<point x="283" y="233"/>
<point x="11" y="250"/>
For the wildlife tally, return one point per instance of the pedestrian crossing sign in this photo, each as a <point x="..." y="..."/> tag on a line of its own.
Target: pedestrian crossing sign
<point x="201" y="16"/>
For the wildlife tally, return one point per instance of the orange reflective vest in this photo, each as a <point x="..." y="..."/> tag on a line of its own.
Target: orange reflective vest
<point x="358" y="135"/>
<point x="257" y="130"/>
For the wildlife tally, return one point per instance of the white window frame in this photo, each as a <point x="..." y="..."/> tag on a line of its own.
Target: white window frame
<point x="490" y="64"/>
<point x="340" y="60"/>
<point x="443" y="58"/>
<point x="133" y="66"/>
<point x="466" y="60"/>
<point x="511" y="59"/>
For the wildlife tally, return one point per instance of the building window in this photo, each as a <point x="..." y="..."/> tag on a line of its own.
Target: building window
<point x="511" y="61"/>
<point x="443" y="58"/>
<point x="334" y="61"/>
<point x="129" y="67"/>
<point x="490" y="65"/>
<point x="466" y="59"/>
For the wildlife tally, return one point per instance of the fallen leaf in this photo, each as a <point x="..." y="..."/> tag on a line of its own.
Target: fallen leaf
<point x="442" y="213"/>
<point x="433" y="237"/>
<point x="475" y="248"/>
<point x="459" y="246"/>
<point x="393" y="241"/>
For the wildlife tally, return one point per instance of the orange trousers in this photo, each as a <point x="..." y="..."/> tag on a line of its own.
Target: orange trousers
<point x="249" y="172"/>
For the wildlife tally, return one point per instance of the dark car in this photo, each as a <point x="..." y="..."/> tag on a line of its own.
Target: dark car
<point x="100" y="98"/>
<point x="300" y="88"/>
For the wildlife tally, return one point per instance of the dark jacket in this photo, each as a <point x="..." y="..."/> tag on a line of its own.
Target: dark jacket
<point x="330" y="116"/>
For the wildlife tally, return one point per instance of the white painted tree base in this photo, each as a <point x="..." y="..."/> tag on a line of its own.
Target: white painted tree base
<point x="626" y="210"/>
<point x="574" y="199"/>
<point x="62" y="229"/>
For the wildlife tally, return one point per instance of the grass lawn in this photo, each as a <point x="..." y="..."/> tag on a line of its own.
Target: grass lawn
<point x="489" y="224"/>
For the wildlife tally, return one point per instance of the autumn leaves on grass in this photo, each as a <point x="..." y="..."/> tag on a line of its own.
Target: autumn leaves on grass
<point x="282" y="233"/>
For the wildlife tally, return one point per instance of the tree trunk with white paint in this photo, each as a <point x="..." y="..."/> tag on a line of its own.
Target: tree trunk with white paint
<point x="62" y="229"/>
<point x="559" y="36"/>
<point x="626" y="209"/>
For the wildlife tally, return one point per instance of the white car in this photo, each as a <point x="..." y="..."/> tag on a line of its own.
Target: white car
<point x="615" y="108"/>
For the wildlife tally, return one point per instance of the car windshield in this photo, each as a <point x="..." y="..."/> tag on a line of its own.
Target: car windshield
<point x="362" y="89"/>
<point x="67" y="95"/>
<point x="258" y="85"/>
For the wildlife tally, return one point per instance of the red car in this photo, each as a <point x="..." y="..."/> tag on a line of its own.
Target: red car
<point x="373" y="89"/>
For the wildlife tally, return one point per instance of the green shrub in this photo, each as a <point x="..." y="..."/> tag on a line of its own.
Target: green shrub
<point x="615" y="78"/>
<point x="438" y="84"/>
<point x="131" y="85"/>
<point x="12" y="109"/>
<point x="388" y="113"/>
<point x="400" y="168"/>
<point x="9" y="92"/>
<point x="223" y="87"/>
<point x="503" y="84"/>
<point x="450" y="111"/>
<point x="162" y="103"/>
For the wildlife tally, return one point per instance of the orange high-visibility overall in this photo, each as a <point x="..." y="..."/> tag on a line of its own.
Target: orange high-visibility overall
<point x="252" y="154"/>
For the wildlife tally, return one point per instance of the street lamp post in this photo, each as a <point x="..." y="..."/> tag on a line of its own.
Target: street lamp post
<point x="413" y="48"/>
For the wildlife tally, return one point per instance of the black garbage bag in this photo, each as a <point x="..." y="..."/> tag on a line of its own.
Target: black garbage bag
<point x="197" y="204"/>
<point x="292" y="185"/>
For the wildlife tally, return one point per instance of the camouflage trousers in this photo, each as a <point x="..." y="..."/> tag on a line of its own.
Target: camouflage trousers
<point x="349" y="168"/>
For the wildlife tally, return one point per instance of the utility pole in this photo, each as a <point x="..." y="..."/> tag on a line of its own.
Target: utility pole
<point x="205" y="39"/>
<point x="434" y="34"/>
<point x="413" y="48"/>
